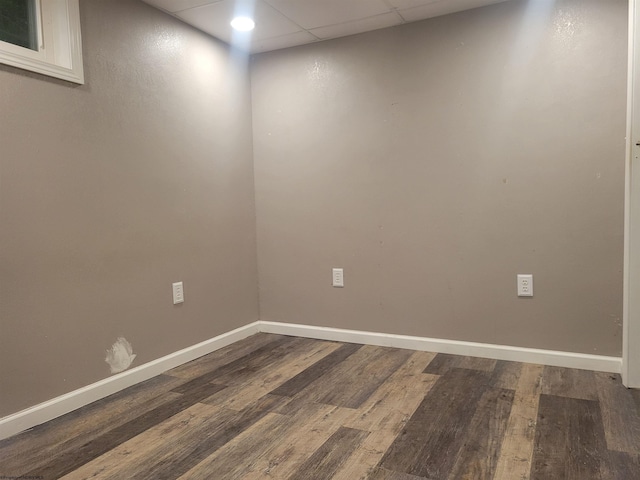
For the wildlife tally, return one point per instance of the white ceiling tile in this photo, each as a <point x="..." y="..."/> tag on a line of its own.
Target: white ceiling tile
<point x="177" y="5"/>
<point x="442" y="7"/>
<point x="319" y="13"/>
<point x="281" y="23"/>
<point x="357" y="26"/>
<point x="283" y="41"/>
<point x="214" y="19"/>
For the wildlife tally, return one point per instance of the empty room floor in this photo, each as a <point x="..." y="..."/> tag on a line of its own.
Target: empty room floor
<point x="280" y="407"/>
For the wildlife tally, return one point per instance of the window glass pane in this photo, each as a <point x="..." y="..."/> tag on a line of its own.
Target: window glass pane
<point x="18" y="23"/>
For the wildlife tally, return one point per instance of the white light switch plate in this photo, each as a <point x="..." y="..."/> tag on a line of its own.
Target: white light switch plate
<point x="338" y="277"/>
<point x="178" y="293"/>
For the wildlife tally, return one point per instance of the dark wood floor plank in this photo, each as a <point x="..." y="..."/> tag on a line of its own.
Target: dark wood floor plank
<point x="396" y="399"/>
<point x="300" y="357"/>
<point x="240" y="458"/>
<point x="385" y="413"/>
<point x="311" y="374"/>
<point x="413" y="425"/>
<point x="434" y="435"/>
<point x="152" y="446"/>
<point x="476" y="363"/>
<point x="214" y="439"/>
<point x="506" y="375"/>
<point x="70" y="460"/>
<point x="570" y="441"/>
<point x="478" y="458"/>
<point x="325" y="461"/>
<point x="244" y="368"/>
<point x="172" y="461"/>
<point x="441" y="364"/>
<point x="619" y="414"/>
<point x="444" y="362"/>
<point x="363" y="462"/>
<point x="351" y="383"/>
<point x="309" y="432"/>
<point x="236" y="371"/>
<point x="620" y="466"/>
<point x="569" y="382"/>
<point x="71" y="431"/>
<point x="635" y="394"/>
<point x="230" y="461"/>
<point x="223" y="356"/>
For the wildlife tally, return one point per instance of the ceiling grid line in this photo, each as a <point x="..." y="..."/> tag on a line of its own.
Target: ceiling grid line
<point x="289" y="23"/>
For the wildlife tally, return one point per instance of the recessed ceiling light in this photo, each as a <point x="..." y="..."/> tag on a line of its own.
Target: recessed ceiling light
<point x="243" y="24"/>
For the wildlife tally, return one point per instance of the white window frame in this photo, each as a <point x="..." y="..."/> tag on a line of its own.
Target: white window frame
<point x="59" y="43"/>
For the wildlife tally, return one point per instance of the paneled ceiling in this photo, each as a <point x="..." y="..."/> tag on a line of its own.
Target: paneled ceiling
<point x="287" y="23"/>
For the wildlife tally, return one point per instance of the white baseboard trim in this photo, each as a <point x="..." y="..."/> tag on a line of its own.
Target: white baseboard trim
<point x="58" y="406"/>
<point x="66" y="403"/>
<point x="554" y="358"/>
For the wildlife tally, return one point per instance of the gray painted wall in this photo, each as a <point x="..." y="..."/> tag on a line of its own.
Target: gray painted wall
<point x="434" y="162"/>
<point x="111" y="191"/>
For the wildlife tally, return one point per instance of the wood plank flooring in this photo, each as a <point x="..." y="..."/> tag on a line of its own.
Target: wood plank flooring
<point x="278" y="407"/>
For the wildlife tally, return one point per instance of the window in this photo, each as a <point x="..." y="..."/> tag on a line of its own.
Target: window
<point x="42" y="36"/>
<point x="18" y="23"/>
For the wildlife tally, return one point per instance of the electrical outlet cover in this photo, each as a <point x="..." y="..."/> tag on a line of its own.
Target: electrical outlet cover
<point x="525" y="285"/>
